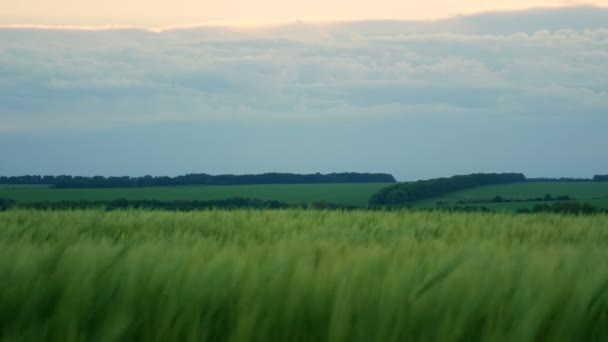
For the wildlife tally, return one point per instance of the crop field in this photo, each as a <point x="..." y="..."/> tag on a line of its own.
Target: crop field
<point x="296" y="275"/>
<point x="595" y="193"/>
<point x="349" y="194"/>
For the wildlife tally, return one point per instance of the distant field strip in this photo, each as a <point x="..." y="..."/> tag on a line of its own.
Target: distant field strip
<point x="595" y="193"/>
<point x="350" y="194"/>
<point x="297" y="275"/>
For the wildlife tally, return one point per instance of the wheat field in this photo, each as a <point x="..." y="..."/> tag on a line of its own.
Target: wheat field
<point x="297" y="275"/>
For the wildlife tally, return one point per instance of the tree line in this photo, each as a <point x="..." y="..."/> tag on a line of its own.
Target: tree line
<point x="596" y="178"/>
<point x="178" y="205"/>
<point x="568" y="208"/>
<point x="404" y="193"/>
<point x="563" y="208"/>
<point x="118" y="204"/>
<point x="500" y="199"/>
<point x="559" y="180"/>
<point x="73" y="182"/>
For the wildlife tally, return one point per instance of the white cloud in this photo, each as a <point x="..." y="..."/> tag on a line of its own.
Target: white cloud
<point x="100" y="78"/>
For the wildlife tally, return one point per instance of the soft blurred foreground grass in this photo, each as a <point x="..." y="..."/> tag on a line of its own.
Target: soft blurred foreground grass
<point x="302" y="276"/>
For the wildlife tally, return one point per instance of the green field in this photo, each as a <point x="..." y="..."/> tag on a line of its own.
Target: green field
<point x="302" y="276"/>
<point x="349" y="194"/>
<point x="595" y="193"/>
<point x="583" y="192"/>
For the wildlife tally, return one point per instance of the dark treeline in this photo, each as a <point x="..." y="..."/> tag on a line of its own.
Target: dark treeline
<point x="600" y="178"/>
<point x="72" y="182"/>
<point x="559" y="180"/>
<point x="7" y="204"/>
<point x="403" y="193"/>
<point x="31" y="179"/>
<point x="500" y="199"/>
<point x="123" y="204"/>
<point x="563" y="208"/>
<point x="568" y="208"/>
<point x="118" y="204"/>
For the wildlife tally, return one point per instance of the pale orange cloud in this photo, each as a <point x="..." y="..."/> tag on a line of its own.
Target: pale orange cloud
<point x="155" y="13"/>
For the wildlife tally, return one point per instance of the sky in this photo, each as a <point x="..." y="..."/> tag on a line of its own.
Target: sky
<point x="157" y="13"/>
<point x="507" y="91"/>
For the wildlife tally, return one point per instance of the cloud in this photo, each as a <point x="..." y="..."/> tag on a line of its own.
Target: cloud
<point x="57" y="79"/>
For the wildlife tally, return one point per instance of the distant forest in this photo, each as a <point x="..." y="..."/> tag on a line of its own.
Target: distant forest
<point x="600" y="178"/>
<point x="123" y="204"/>
<point x="560" y="180"/>
<point x="404" y="193"/>
<point x="596" y="178"/>
<point x="570" y="207"/>
<point x="74" y="182"/>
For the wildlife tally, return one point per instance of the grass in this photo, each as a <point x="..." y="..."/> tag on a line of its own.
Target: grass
<point x="595" y="193"/>
<point x="349" y="194"/>
<point x="302" y="276"/>
<point x="581" y="191"/>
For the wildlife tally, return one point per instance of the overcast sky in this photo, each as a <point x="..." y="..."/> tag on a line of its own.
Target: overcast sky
<point x="519" y="91"/>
